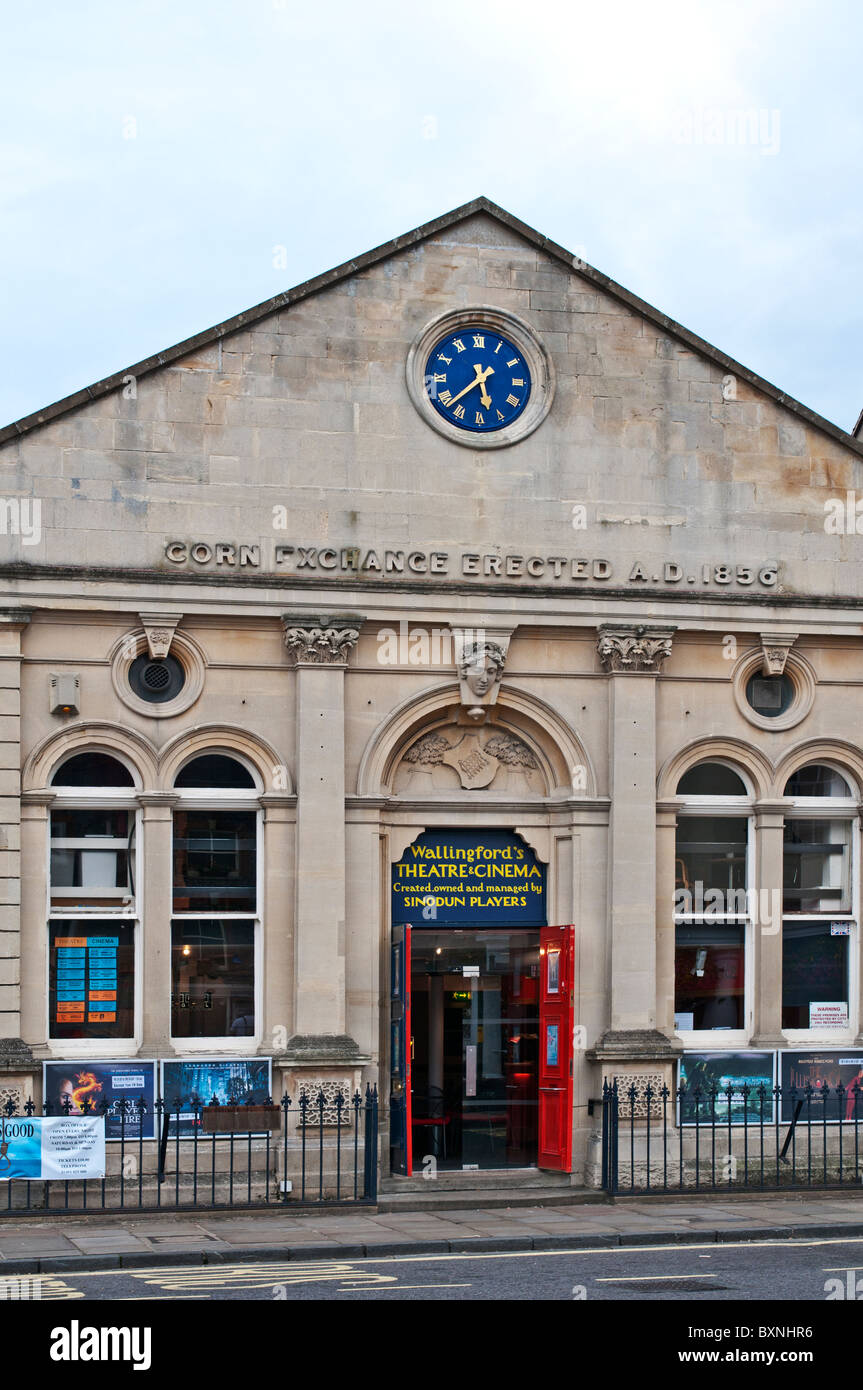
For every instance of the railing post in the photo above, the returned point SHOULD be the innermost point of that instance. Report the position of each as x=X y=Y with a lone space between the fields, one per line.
x=370 y=1142
x=615 y=1119
x=605 y=1136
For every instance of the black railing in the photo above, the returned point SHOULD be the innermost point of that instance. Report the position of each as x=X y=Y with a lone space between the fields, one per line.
x=702 y=1139
x=321 y=1148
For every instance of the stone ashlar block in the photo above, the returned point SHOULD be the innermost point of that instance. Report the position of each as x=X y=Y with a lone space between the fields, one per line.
x=10 y=890
x=178 y=467
x=691 y=368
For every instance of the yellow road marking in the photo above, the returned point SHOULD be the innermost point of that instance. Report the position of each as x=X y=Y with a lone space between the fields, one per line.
x=261 y=1275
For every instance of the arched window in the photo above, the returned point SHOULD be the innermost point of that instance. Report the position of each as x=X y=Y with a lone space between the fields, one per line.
x=215 y=900
x=92 y=902
x=92 y=770
x=711 y=901
x=215 y=770
x=711 y=779
x=817 y=875
x=817 y=779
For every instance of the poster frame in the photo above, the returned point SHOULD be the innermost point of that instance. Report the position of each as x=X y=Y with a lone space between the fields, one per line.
x=737 y=1121
x=187 y=1128
x=54 y=1064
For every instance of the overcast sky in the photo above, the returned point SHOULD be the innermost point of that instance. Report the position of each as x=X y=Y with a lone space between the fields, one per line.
x=156 y=155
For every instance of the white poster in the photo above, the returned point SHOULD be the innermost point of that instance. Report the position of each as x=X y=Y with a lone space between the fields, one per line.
x=828 y=1015
x=65 y=1147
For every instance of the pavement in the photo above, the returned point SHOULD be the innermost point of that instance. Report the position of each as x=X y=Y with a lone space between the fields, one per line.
x=32 y=1245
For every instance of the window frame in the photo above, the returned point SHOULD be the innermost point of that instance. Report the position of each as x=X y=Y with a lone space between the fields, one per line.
x=846 y=808
x=727 y=807
x=223 y=799
x=109 y=799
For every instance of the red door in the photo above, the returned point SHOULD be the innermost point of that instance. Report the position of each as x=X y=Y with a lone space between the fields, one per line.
x=556 y=1003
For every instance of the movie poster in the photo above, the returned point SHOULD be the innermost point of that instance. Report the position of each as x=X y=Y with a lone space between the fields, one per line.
x=706 y=1072
x=88 y=1085
x=824 y=1073
x=207 y=1080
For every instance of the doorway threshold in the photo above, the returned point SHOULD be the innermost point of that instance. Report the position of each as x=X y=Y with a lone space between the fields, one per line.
x=528 y=1187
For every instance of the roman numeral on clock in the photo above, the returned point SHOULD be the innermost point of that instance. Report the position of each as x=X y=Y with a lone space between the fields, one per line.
x=459 y=412
x=512 y=400
x=480 y=418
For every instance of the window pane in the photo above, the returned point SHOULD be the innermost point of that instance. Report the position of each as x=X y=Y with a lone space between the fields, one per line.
x=711 y=850
x=212 y=979
x=815 y=867
x=711 y=779
x=91 y=979
x=214 y=861
x=214 y=770
x=814 y=971
x=708 y=974
x=816 y=780
x=92 y=770
x=770 y=696
x=89 y=853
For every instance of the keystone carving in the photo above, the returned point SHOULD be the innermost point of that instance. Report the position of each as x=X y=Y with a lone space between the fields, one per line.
x=634 y=648
x=159 y=629
x=480 y=656
x=775 y=647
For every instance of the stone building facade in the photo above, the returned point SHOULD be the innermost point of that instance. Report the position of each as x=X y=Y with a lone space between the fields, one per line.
x=312 y=618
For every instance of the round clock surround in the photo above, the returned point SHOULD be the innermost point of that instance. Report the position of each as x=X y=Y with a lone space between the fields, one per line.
x=481 y=377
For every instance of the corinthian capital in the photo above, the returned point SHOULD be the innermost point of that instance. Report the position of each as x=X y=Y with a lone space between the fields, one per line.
x=636 y=649
x=327 y=642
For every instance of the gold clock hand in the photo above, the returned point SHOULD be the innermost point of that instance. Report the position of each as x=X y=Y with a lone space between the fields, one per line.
x=479 y=380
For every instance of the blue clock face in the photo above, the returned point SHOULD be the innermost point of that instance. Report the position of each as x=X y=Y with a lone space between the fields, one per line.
x=477 y=380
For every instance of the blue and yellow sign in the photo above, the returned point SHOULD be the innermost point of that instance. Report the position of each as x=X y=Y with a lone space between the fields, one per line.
x=469 y=878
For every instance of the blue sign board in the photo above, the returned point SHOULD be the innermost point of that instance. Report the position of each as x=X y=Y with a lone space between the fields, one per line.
x=470 y=878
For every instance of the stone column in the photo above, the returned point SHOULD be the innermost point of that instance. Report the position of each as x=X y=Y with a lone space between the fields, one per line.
x=633 y=657
x=320 y=653
x=157 y=889
x=35 y=829
x=277 y=914
x=666 y=840
x=16 y=1060
x=767 y=929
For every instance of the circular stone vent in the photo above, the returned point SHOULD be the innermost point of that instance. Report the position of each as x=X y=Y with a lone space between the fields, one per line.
x=156 y=681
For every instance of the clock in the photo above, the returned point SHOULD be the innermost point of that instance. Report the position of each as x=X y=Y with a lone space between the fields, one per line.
x=480 y=376
x=477 y=380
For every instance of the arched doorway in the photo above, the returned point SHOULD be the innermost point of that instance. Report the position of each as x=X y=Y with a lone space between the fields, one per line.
x=481 y=1006
x=524 y=775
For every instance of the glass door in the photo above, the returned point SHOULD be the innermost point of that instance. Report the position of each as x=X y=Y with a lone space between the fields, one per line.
x=475 y=1027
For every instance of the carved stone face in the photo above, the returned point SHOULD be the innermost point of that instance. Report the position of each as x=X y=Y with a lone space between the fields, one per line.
x=481 y=672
